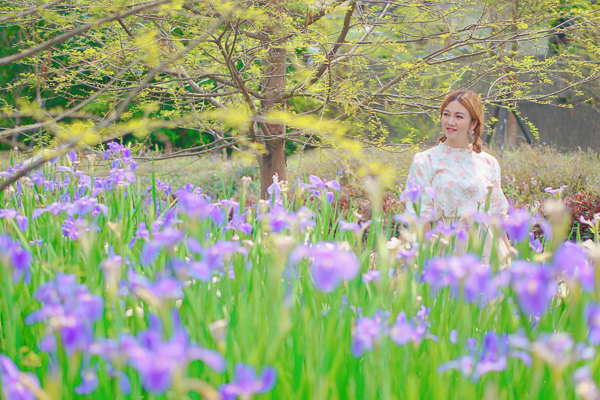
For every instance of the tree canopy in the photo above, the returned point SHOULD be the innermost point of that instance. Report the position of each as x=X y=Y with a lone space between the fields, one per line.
x=254 y=75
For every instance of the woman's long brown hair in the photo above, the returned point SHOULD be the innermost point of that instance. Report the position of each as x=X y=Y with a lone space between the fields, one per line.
x=471 y=101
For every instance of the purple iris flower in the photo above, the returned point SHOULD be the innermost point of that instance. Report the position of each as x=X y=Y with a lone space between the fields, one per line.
x=318 y=186
x=446 y=230
x=491 y=356
x=121 y=177
x=570 y=261
x=535 y=244
x=85 y=205
x=89 y=382
x=238 y=222
x=194 y=205
x=72 y=156
x=404 y=331
x=559 y=350
x=412 y=192
x=353 y=226
x=163 y=288
x=55 y=208
x=372 y=275
x=466 y=273
x=453 y=336
x=50 y=186
x=368 y=332
x=215 y=258
x=592 y=316
x=116 y=352
x=245 y=383
x=121 y=154
x=555 y=191
x=533 y=287
x=126 y=152
x=16 y=384
x=141 y=233
x=37 y=177
x=157 y=361
x=161 y=187
x=274 y=190
x=518 y=224
x=168 y=237
x=18 y=257
x=217 y=214
x=69 y=309
x=22 y=222
x=349 y=226
x=70 y=230
x=476 y=285
x=279 y=219
x=330 y=264
x=10 y=214
x=150 y=252
x=407 y=254
x=230 y=206
x=194 y=245
x=316 y=182
x=187 y=188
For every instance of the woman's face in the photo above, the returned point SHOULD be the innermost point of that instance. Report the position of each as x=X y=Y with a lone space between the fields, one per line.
x=456 y=121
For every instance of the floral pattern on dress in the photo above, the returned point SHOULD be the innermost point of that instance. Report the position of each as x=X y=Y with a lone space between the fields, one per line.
x=461 y=178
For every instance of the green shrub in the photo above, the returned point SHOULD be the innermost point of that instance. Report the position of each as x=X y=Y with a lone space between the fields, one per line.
x=528 y=170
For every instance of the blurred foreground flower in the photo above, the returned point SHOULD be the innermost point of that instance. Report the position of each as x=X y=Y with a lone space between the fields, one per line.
x=16 y=256
x=368 y=332
x=10 y=214
x=404 y=331
x=245 y=382
x=70 y=310
x=330 y=264
x=585 y=386
x=518 y=224
x=160 y=362
x=592 y=315
x=559 y=351
x=533 y=287
x=155 y=293
x=468 y=277
x=17 y=385
x=491 y=356
x=570 y=262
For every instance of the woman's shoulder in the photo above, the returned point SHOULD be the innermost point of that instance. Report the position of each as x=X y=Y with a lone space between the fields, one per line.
x=426 y=154
x=488 y=158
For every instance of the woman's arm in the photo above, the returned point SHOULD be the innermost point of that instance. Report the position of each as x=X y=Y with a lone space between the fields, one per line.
x=506 y=241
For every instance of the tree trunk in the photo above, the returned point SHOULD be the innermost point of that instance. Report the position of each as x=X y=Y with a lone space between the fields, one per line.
x=273 y=161
x=512 y=132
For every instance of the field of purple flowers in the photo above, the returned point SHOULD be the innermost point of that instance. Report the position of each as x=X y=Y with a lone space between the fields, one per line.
x=110 y=289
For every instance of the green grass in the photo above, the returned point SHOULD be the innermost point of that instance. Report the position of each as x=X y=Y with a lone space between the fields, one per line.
x=304 y=333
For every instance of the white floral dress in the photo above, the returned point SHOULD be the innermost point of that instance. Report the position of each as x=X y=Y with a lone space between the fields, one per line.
x=461 y=178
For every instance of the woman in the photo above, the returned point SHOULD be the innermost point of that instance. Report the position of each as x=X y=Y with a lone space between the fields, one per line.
x=460 y=172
